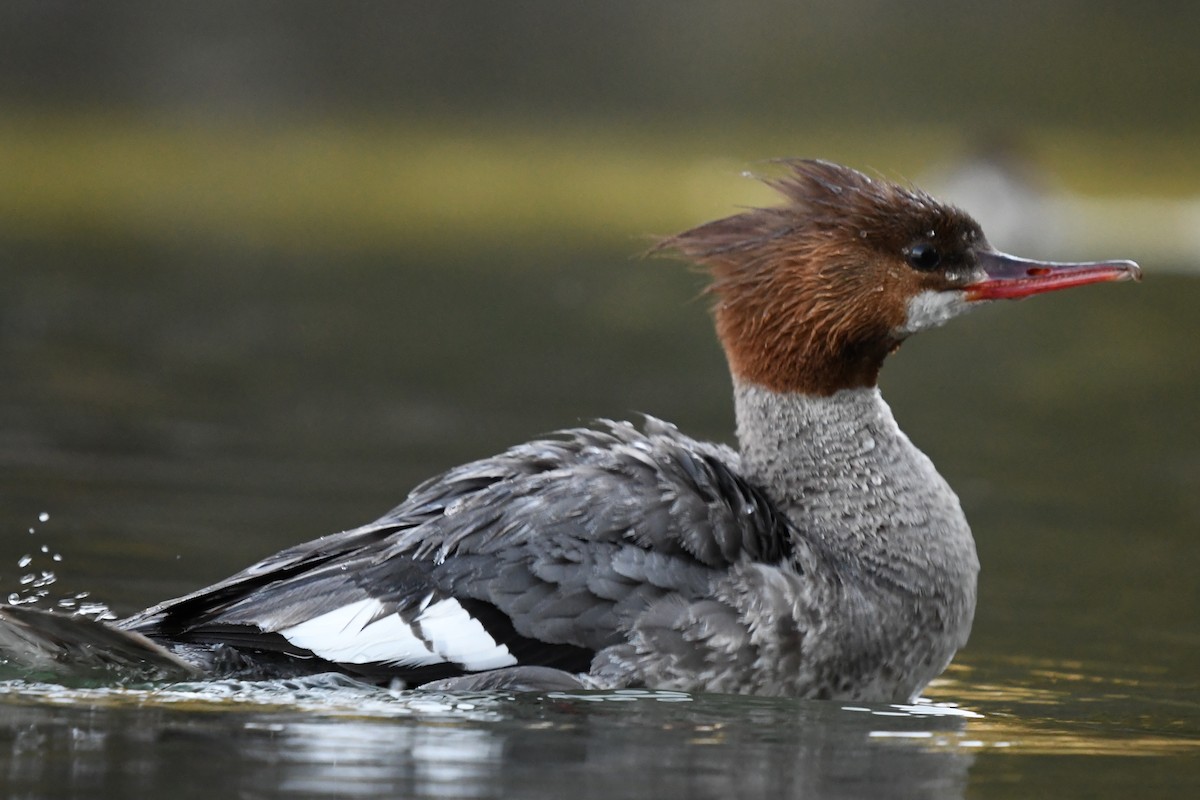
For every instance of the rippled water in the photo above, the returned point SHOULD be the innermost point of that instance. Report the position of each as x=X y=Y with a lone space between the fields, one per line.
x=344 y=741
x=177 y=413
x=328 y=736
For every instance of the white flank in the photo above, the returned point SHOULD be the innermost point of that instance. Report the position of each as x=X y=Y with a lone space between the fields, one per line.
x=929 y=309
x=348 y=635
x=457 y=636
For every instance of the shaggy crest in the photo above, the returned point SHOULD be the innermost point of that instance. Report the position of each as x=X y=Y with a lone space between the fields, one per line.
x=811 y=293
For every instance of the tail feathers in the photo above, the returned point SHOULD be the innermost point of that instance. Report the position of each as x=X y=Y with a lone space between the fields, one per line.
x=33 y=641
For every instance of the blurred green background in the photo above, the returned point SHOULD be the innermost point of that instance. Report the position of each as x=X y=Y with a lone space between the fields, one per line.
x=374 y=125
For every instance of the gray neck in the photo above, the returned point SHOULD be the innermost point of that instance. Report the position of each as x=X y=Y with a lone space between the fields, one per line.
x=882 y=542
x=843 y=470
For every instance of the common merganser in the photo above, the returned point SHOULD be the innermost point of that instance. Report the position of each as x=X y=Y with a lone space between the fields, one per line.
x=825 y=558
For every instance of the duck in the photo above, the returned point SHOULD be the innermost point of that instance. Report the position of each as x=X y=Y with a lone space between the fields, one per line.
x=824 y=557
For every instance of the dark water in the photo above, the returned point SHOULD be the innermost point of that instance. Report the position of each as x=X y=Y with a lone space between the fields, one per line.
x=178 y=412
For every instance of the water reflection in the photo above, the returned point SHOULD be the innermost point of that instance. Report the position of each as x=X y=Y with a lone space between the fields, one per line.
x=108 y=743
x=359 y=758
x=332 y=736
x=1042 y=707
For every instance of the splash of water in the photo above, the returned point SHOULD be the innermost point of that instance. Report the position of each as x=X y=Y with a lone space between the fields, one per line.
x=37 y=578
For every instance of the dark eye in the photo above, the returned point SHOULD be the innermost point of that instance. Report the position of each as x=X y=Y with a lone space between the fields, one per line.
x=923 y=256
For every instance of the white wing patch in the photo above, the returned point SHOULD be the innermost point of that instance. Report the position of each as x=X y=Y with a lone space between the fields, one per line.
x=356 y=634
x=459 y=637
x=363 y=633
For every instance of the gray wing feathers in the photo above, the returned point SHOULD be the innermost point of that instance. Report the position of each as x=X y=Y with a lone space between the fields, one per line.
x=582 y=540
x=659 y=489
x=615 y=520
x=752 y=632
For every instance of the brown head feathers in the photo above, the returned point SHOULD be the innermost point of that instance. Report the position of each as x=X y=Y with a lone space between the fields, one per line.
x=812 y=295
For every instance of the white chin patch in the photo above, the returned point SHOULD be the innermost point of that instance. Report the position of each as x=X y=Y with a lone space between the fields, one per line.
x=363 y=633
x=929 y=309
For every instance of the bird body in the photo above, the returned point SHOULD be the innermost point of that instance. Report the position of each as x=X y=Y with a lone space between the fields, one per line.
x=825 y=557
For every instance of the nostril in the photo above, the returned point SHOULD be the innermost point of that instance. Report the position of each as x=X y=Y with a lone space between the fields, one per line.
x=1037 y=272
